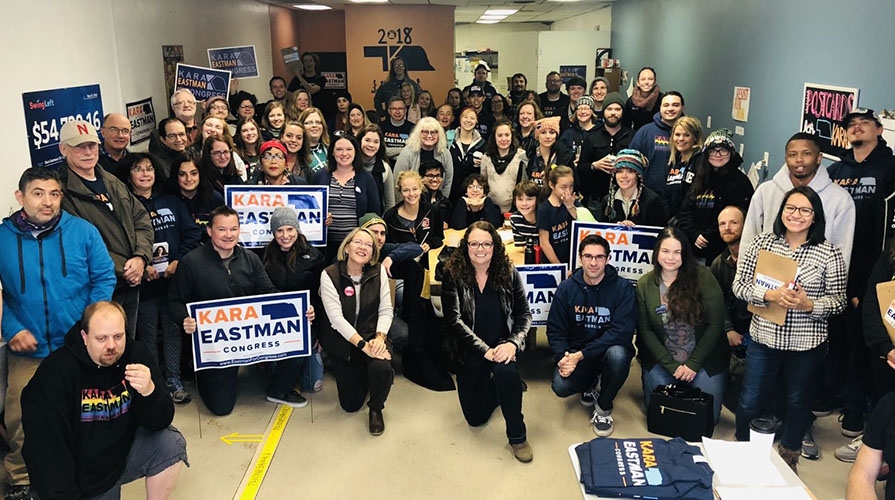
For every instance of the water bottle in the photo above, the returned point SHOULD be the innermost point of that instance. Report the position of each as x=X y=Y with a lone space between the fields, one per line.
x=529 y=252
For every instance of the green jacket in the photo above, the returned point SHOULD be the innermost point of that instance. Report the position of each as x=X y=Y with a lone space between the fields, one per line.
x=711 y=352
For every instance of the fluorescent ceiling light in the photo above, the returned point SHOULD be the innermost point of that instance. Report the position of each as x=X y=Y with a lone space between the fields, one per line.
x=501 y=12
x=564 y=1
x=369 y=1
x=492 y=18
x=311 y=6
x=480 y=21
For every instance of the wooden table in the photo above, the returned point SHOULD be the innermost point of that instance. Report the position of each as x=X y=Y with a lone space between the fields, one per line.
x=452 y=238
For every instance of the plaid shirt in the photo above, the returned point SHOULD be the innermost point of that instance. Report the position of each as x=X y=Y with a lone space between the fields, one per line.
x=821 y=273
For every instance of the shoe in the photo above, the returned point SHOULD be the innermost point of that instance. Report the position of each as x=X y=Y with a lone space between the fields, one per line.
x=18 y=492
x=589 y=398
x=826 y=405
x=849 y=452
x=377 y=425
x=178 y=393
x=851 y=423
x=602 y=421
x=522 y=452
x=809 y=447
x=291 y=398
x=790 y=457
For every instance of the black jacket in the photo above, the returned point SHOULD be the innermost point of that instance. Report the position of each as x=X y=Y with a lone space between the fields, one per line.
x=462 y=218
x=873 y=229
x=595 y=183
x=875 y=334
x=463 y=163
x=651 y=211
x=427 y=227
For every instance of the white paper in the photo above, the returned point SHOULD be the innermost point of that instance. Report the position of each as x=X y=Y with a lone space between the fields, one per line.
x=742 y=463
x=786 y=493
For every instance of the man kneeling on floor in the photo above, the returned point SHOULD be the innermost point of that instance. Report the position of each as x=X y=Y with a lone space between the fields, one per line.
x=590 y=328
x=97 y=415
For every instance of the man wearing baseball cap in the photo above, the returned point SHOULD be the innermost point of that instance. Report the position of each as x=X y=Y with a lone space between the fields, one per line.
x=480 y=79
x=99 y=197
x=576 y=86
x=477 y=101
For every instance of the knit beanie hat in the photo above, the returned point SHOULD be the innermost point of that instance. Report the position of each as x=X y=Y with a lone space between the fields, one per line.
x=586 y=101
x=551 y=123
x=613 y=98
x=633 y=159
x=576 y=81
x=370 y=219
x=284 y=216
x=720 y=138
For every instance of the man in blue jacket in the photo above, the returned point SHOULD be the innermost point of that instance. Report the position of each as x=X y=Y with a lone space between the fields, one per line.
x=590 y=328
x=654 y=140
x=54 y=265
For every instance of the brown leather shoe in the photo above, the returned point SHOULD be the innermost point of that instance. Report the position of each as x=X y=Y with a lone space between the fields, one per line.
x=790 y=457
x=377 y=425
x=522 y=452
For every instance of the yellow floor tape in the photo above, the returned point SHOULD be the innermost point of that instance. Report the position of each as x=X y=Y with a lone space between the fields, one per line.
x=251 y=482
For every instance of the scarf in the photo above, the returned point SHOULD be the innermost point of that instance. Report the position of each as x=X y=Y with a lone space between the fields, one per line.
x=502 y=162
x=645 y=101
x=20 y=219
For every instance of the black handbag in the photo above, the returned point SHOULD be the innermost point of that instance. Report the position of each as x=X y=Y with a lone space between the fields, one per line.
x=681 y=411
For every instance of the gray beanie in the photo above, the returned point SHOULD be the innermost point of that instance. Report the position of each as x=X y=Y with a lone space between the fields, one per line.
x=283 y=216
x=613 y=98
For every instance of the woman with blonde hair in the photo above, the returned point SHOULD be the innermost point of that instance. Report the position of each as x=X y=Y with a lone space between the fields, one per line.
x=686 y=150
x=427 y=141
x=316 y=139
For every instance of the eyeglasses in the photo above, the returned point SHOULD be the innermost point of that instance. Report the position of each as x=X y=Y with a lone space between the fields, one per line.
x=313 y=122
x=184 y=103
x=476 y=245
x=178 y=135
x=222 y=107
x=247 y=106
x=428 y=132
x=143 y=170
x=272 y=156
x=719 y=152
x=475 y=187
x=118 y=131
x=359 y=243
x=219 y=154
x=433 y=177
x=803 y=211
x=586 y=257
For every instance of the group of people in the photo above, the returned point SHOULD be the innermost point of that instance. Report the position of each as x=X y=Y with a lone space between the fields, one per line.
x=148 y=233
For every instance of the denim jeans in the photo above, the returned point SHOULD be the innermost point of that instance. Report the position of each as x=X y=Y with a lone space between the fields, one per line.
x=802 y=372
x=712 y=384
x=611 y=370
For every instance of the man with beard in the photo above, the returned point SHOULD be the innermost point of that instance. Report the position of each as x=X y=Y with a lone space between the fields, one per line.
x=654 y=140
x=518 y=89
x=597 y=160
x=553 y=101
x=724 y=267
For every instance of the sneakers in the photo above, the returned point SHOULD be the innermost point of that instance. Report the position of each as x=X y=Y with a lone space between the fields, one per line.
x=809 y=447
x=851 y=423
x=522 y=452
x=18 y=492
x=178 y=393
x=849 y=452
x=589 y=398
x=291 y=398
x=602 y=421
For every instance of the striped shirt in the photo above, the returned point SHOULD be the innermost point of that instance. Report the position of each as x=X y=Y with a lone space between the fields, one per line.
x=522 y=229
x=821 y=273
x=343 y=206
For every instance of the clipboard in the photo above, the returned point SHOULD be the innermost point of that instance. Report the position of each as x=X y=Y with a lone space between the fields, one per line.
x=773 y=271
x=885 y=292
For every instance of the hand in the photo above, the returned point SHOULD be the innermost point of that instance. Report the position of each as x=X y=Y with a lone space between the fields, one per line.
x=189 y=325
x=425 y=247
x=801 y=300
x=568 y=363
x=489 y=355
x=684 y=374
x=604 y=164
x=504 y=353
x=310 y=314
x=23 y=341
x=377 y=349
x=477 y=161
x=734 y=338
x=701 y=242
x=626 y=223
x=140 y=378
x=133 y=270
x=234 y=85
x=790 y=298
x=855 y=302
x=329 y=219
x=151 y=274
x=568 y=200
x=172 y=268
x=890 y=358
x=387 y=264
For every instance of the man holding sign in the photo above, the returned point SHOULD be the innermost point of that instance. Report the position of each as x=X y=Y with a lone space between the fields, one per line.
x=223 y=269
x=591 y=331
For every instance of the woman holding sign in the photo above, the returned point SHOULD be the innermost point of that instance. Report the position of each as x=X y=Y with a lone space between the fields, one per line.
x=358 y=305
x=485 y=308
x=798 y=345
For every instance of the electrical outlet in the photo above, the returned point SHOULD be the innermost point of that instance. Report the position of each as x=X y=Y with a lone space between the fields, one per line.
x=708 y=122
x=738 y=130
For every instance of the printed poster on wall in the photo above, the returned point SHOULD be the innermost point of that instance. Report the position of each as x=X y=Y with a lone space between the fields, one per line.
x=540 y=282
x=567 y=72
x=172 y=55
x=47 y=110
x=630 y=248
x=823 y=108
x=741 y=97
x=248 y=330
x=239 y=61
x=142 y=118
x=204 y=83
x=255 y=204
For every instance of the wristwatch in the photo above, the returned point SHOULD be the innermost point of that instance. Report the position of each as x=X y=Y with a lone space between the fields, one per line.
x=361 y=344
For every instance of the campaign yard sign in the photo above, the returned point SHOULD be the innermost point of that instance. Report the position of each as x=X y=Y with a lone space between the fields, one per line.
x=255 y=204
x=204 y=83
x=239 y=61
x=247 y=330
x=540 y=282
x=631 y=248
x=142 y=117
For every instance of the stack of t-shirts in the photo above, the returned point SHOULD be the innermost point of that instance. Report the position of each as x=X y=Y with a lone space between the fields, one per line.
x=644 y=468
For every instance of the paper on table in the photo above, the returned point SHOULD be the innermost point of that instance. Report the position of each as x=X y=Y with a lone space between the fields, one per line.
x=786 y=493
x=742 y=463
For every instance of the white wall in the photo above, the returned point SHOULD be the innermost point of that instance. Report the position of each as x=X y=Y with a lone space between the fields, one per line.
x=515 y=43
x=558 y=48
x=117 y=44
x=599 y=20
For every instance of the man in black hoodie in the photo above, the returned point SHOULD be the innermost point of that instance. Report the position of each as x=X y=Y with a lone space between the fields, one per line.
x=590 y=328
x=93 y=418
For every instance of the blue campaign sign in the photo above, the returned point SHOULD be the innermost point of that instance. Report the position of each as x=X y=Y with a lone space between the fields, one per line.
x=204 y=83
x=540 y=282
x=47 y=110
x=631 y=248
x=239 y=61
x=255 y=204
x=248 y=330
